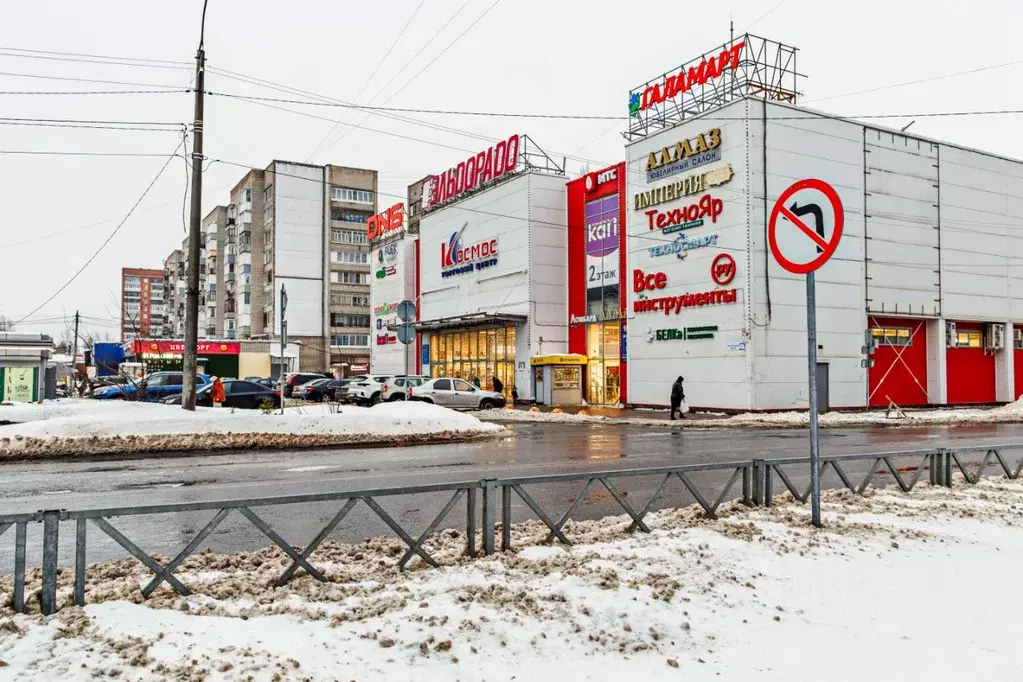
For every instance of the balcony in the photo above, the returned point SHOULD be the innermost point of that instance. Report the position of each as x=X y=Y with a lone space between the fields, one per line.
x=230 y=258
x=244 y=332
x=229 y=277
x=244 y=248
x=246 y=288
x=212 y=287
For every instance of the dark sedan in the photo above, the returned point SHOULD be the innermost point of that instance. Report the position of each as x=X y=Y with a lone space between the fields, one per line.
x=323 y=391
x=244 y=395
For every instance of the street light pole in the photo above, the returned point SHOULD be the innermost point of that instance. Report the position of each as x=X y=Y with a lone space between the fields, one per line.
x=190 y=359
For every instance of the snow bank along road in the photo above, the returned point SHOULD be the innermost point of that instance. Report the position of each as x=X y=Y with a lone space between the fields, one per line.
x=91 y=427
x=525 y=450
x=756 y=594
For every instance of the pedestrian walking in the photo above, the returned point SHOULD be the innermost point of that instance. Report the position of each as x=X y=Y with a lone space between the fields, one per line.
x=498 y=386
x=476 y=382
x=678 y=396
x=217 y=392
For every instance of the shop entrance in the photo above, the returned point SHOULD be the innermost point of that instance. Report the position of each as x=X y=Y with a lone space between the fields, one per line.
x=603 y=385
x=476 y=354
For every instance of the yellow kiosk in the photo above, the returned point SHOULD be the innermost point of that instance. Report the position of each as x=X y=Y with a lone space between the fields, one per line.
x=558 y=379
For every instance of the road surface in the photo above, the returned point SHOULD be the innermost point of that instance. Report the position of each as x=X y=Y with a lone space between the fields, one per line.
x=528 y=449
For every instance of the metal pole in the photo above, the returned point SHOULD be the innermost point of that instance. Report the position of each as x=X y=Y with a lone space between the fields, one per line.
x=74 y=359
x=811 y=347
x=284 y=304
x=51 y=532
x=189 y=358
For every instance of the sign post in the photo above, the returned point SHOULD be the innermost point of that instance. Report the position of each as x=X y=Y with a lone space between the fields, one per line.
x=801 y=249
x=406 y=335
x=284 y=338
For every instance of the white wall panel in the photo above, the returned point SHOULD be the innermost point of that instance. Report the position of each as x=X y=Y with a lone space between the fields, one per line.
x=901 y=204
x=298 y=247
x=387 y=292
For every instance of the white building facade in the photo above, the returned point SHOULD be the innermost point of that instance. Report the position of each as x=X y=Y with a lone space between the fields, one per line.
x=928 y=266
x=493 y=272
x=394 y=280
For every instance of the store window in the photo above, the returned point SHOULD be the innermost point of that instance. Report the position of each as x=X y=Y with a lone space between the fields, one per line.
x=481 y=354
x=603 y=385
x=968 y=340
x=892 y=336
x=1017 y=338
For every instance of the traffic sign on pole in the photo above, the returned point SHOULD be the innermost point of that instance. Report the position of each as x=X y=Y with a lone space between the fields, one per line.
x=406 y=311
x=803 y=233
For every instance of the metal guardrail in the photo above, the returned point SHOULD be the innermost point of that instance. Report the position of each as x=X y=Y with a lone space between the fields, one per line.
x=757 y=476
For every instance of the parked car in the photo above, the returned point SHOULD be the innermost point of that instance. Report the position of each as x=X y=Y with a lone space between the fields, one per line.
x=298 y=378
x=397 y=387
x=301 y=391
x=366 y=391
x=322 y=392
x=244 y=395
x=457 y=394
x=341 y=393
x=263 y=381
x=153 y=387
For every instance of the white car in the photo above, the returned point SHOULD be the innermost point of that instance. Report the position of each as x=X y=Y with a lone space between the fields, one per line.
x=366 y=391
x=397 y=387
x=457 y=394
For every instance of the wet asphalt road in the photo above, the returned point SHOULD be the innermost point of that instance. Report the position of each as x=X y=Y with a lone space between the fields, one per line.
x=527 y=450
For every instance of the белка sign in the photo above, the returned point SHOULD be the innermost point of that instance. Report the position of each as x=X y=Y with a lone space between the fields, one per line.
x=456 y=259
x=707 y=69
x=476 y=171
x=386 y=222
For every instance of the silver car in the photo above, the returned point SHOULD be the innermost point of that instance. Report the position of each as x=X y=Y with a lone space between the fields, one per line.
x=457 y=394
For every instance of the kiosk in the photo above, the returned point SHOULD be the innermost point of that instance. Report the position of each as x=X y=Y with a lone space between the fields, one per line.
x=558 y=379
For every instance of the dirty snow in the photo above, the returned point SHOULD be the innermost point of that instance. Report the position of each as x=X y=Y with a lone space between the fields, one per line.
x=1006 y=414
x=756 y=594
x=91 y=426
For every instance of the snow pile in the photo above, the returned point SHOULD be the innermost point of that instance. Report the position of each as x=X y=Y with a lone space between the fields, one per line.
x=756 y=594
x=92 y=427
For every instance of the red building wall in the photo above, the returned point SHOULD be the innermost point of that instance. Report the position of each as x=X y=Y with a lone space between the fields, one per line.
x=577 y=197
x=1017 y=368
x=970 y=371
x=899 y=372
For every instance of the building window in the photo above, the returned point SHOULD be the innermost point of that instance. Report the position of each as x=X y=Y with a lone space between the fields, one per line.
x=247 y=194
x=968 y=340
x=483 y=353
x=1017 y=338
x=350 y=340
x=268 y=238
x=342 y=320
x=355 y=237
x=892 y=336
x=268 y=214
x=268 y=193
x=353 y=257
x=355 y=196
x=246 y=298
x=348 y=215
x=266 y=320
x=268 y=278
x=336 y=236
x=348 y=277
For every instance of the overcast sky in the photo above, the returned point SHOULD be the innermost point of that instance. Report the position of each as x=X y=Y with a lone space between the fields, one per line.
x=565 y=57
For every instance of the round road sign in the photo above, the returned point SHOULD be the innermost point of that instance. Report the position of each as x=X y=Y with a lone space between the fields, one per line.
x=722 y=269
x=805 y=226
x=406 y=311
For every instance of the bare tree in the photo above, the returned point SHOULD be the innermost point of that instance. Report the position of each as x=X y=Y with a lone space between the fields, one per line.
x=6 y=324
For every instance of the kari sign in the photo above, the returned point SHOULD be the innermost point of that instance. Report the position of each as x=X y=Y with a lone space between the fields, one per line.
x=602 y=230
x=383 y=224
x=474 y=172
x=457 y=259
x=699 y=73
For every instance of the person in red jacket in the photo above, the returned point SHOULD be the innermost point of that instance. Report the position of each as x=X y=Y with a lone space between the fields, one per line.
x=218 y=392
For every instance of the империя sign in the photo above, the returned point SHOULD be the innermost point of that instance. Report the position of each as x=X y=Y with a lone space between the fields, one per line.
x=689 y=185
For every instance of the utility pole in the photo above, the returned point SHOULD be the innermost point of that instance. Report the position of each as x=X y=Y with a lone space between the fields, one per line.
x=284 y=339
x=190 y=359
x=74 y=356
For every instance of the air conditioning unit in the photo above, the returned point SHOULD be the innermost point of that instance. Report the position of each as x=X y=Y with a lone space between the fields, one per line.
x=994 y=337
x=951 y=339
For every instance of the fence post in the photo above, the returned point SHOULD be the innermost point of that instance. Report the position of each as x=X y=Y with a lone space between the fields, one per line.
x=80 y=530
x=470 y=522
x=946 y=468
x=759 y=482
x=489 y=514
x=506 y=505
x=768 y=485
x=51 y=541
x=747 y=482
x=20 y=533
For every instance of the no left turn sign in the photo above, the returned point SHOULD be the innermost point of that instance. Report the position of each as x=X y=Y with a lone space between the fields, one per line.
x=805 y=226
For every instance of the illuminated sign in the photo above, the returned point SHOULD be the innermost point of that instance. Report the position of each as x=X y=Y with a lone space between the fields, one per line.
x=642 y=281
x=385 y=309
x=595 y=180
x=683 y=245
x=178 y=347
x=722 y=269
x=707 y=70
x=685 y=155
x=689 y=185
x=583 y=319
x=686 y=334
x=474 y=172
x=386 y=339
x=381 y=224
x=456 y=259
x=386 y=272
x=685 y=217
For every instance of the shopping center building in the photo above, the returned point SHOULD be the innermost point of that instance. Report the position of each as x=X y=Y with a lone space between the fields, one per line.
x=492 y=266
x=928 y=266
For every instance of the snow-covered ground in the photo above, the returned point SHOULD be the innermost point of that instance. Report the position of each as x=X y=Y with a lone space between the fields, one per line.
x=1005 y=414
x=94 y=426
x=921 y=586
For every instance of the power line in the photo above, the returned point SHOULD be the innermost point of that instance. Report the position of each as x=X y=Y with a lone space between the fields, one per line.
x=88 y=127
x=762 y=16
x=117 y=229
x=91 y=80
x=78 y=60
x=94 y=121
x=36 y=152
x=97 y=56
x=93 y=92
x=373 y=73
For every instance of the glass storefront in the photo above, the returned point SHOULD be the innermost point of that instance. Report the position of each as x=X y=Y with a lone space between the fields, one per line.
x=480 y=353
x=603 y=385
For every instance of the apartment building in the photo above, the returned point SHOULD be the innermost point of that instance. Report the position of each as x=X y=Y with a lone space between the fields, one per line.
x=300 y=226
x=415 y=204
x=142 y=303
x=174 y=294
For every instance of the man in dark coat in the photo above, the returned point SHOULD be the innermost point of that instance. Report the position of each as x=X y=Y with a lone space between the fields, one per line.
x=678 y=395
x=498 y=386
